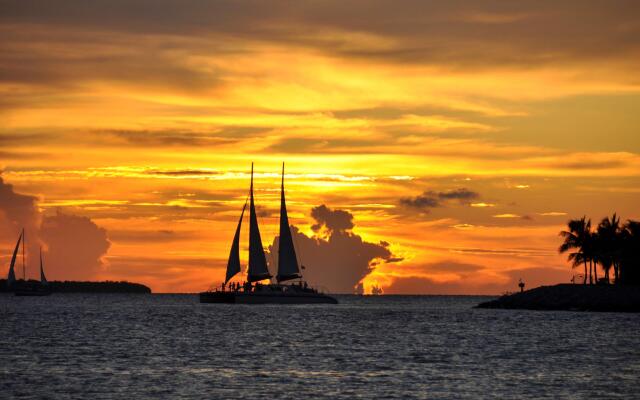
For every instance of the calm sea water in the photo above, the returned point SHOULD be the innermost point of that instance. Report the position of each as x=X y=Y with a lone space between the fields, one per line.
x=170 y=346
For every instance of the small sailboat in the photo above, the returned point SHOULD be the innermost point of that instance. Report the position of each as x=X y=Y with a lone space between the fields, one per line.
x=25 y=287
x=253 y=292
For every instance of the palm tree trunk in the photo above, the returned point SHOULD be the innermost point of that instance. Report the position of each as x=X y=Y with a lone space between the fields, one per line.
x=615 y=272
x=584 y=282
x=590 y=274
x=595 y=270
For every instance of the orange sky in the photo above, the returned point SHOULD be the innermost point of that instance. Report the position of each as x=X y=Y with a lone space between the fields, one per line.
x=459 y=137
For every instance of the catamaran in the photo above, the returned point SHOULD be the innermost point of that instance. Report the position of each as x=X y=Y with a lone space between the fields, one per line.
x=25 y=287
x=253 y=292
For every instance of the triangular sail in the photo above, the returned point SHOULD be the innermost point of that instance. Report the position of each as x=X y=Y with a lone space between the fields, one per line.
x=257 y=260
x=287 y=261
x=11 y=278
x=43 y=279
x=233 y=265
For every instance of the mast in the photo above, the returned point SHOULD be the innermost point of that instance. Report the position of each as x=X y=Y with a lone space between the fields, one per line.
x=11 y=278
x=257 y=260
x=24 y=270
x=287 y=260
x=43 y=279
x=233 y=265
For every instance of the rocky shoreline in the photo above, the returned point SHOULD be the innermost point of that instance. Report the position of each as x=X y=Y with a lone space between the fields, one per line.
x=572 y=297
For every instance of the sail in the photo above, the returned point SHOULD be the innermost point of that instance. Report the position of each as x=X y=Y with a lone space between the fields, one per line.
x=257 y=260
x=43 y=279
x=287 y=261
x=11 y=278
x=233 y=265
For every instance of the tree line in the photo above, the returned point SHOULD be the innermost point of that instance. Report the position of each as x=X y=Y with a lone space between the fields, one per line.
x=612 y=245
x=86 y=287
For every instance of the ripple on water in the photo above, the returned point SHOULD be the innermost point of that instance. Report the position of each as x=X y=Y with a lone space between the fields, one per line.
x=170 y=346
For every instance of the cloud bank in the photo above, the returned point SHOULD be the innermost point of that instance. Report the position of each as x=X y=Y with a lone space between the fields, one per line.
x=336 y=258
x=73 y=246
x=431 y=199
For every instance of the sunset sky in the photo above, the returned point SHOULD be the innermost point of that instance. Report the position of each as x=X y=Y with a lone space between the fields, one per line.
x=449 y=141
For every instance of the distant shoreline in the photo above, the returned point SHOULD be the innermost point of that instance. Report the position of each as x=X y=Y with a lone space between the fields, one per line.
x=572 y=297
x=89 y=287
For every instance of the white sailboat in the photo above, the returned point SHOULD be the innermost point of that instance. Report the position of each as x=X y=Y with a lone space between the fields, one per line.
x=253 y=292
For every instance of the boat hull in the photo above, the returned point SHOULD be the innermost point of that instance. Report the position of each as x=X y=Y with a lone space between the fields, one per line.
x=266 y=298
x=31 y=288
x=29 y=292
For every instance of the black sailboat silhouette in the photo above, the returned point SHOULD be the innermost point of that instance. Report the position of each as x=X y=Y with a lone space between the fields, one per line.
x=43 y=279
x=258 y=270
x=233 y=265
x=287 y=261
x=11 y=277
x=26 y=287
x=288 y=268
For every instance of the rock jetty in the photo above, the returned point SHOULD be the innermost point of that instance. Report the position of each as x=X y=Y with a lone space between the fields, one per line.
x=572 y=297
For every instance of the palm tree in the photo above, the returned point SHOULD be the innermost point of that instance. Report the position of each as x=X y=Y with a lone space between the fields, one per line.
x=609 y=234
x=590 y=254
x=630 y=257
x=601 y=256
x=578 y=237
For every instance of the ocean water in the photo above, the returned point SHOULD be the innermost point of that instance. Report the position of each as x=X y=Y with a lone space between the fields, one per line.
x=388 y=347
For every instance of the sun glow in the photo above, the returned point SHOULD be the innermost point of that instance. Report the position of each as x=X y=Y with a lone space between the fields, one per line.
x=150 y=133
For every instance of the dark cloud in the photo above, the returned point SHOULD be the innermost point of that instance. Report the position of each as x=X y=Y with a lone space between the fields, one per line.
x=64 y=58
x=13 y=139
x=461 y=194
x=431 y=199
x=155 y=138
x=163 y=138
x=323 y=145
x=218 y=136
x=75 y=246
x=389 y=114
x=17 y=211
x=589 y=163
x=331 y=220
x=455 y=33
x=341 y=259
x=163 y=44
x=23 y=155
x=425 y=200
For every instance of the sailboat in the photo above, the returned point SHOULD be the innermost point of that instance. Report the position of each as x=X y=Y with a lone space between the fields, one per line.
x=253 y=292
x=25 y=287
